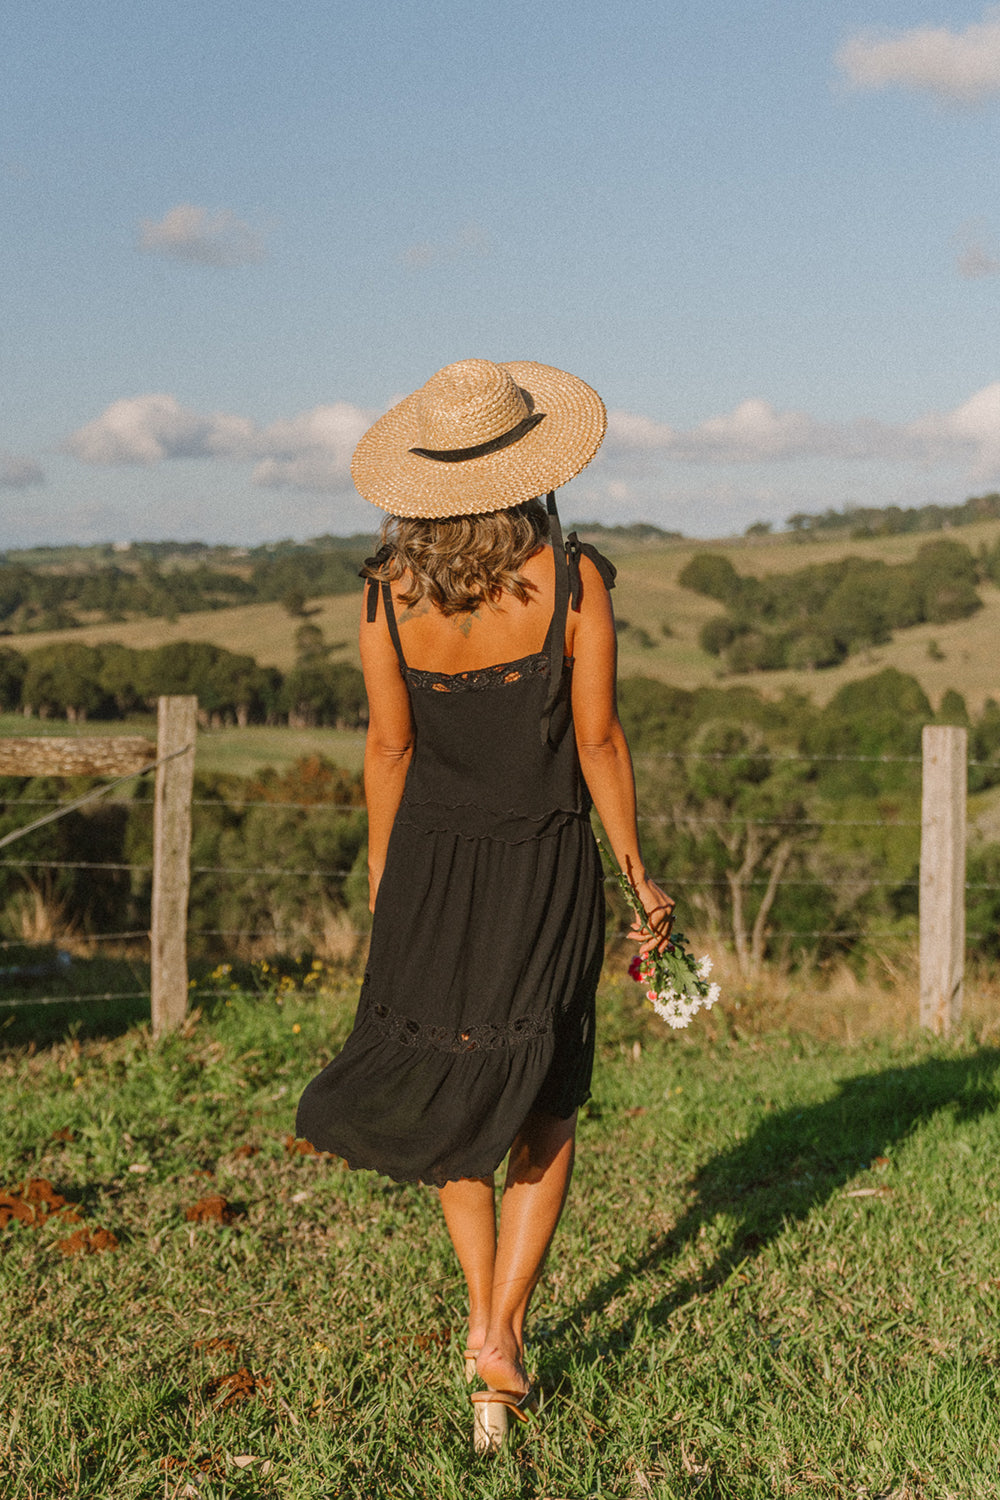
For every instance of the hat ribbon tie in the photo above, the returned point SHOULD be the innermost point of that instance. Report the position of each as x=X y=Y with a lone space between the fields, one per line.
x=459 y=455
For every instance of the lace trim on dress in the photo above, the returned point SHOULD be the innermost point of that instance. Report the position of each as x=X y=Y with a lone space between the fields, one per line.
x=486 y=1036
x=499 y=675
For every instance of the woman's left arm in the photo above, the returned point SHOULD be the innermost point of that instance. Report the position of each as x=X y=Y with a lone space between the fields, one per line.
x=389 y=743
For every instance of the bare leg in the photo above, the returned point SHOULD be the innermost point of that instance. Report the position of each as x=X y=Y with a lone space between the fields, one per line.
x=470 y=1215
x=538 y=1177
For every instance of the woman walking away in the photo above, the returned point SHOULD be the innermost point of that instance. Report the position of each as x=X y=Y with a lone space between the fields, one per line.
x=488 y=649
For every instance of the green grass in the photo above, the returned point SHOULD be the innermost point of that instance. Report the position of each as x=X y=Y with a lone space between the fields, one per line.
x=243 y=752
x=722 y=1314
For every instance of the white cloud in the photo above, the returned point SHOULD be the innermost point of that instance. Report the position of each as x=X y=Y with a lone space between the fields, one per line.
x=755 y=432
x=309 y=451
x=188 y=232
x=146 y=429
x=976 y=261
x=630 y=431
x=959 y=66
x=312 y=451
x=972 y=428
x=470 y=241
x=978 y=255
x=18 y=473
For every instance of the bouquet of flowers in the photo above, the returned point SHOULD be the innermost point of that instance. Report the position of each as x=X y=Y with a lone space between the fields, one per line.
x=678 y=986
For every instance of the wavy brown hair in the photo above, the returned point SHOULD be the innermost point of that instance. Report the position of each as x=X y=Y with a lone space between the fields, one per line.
x=464 y=561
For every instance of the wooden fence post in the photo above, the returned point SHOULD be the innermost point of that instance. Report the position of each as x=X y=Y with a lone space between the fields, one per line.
x=177 y=724
x=942 y=876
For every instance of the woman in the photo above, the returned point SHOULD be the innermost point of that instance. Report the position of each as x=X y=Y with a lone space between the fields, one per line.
x=489 y=660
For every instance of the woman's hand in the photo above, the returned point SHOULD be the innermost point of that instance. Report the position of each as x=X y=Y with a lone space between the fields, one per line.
x=659 y=909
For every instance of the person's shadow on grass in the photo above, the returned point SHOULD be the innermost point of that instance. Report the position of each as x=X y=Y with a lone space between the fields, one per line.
x=792 y=1162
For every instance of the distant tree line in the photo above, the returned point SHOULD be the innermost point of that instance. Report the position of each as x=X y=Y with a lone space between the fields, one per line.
x=59 y=595
x=816 y=616
x=641 y=532
x=111 y=681
x=891 y=520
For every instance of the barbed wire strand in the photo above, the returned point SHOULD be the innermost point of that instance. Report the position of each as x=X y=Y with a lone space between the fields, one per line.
x=203 y=994
x=84 y=937
x=74 y=999
x=316 y=873
x=678 y=820
x=67 y=864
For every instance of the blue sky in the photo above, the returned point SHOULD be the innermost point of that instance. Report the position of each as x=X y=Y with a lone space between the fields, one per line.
x=768 y=234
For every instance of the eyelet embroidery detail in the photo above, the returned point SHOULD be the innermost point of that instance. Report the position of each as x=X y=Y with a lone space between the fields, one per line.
x=484 y=1037
x=483 y=678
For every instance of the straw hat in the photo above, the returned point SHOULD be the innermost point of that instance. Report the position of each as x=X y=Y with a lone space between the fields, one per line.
x=479 y=437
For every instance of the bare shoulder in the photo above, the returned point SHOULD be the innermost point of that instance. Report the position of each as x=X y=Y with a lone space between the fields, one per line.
x=593 y=590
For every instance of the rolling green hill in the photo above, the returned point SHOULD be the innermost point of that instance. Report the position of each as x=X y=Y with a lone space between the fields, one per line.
x=960 y=655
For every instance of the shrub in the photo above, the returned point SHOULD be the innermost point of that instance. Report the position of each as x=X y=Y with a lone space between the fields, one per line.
x=712 y=574
x=718 y=633
x=756 y=651
x=12 y=669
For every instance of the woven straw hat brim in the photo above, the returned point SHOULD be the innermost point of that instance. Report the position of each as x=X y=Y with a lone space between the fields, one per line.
x=408 y=484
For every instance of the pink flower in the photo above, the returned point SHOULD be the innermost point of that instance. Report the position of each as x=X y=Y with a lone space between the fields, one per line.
x=635 y=967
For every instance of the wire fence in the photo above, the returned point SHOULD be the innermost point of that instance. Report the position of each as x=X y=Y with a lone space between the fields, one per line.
x=237 y=937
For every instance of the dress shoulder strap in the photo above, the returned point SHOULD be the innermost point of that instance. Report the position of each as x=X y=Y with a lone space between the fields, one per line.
x=390 y=615
x=568 y=595
x=378 y=586
x=575 y=549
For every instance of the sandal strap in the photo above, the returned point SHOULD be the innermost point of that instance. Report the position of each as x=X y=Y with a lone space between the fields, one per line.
x=520 y=1405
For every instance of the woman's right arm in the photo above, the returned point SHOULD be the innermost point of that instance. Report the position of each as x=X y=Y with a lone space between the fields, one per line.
x=389 y=742
x=602 y=746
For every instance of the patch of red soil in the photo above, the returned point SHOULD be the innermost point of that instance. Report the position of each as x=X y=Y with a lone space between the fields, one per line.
x=34 y=1202
x=228 y=1346
x=214 y=1209
x=88 y=1242
x=300 y=1148
x=437 y=1338
x=246 y=1150
x=239 y=1385
x=65 y=1134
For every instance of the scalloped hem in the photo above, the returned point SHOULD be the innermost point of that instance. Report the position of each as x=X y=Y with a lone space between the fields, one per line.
x=441 y=1178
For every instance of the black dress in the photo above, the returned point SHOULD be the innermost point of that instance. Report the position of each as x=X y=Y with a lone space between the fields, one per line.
x=478 y=998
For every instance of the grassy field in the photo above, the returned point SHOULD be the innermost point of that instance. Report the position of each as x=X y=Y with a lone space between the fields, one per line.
x=777 y=1274
x=648 y=597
